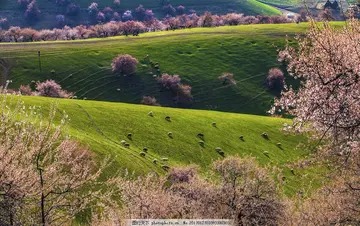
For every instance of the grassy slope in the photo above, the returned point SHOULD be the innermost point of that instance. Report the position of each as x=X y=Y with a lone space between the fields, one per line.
x=199 y=55
x=102 y=125
x=10 y=9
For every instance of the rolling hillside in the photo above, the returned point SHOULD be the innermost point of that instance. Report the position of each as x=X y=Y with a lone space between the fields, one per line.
x=104 y=126
x=198 y=55
x=49 y=9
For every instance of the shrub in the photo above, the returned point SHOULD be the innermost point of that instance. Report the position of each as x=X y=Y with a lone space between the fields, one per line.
x=180 y=10
x=72 y=9
x=100 y=17
x=60 y=20
x=169 y=81
x=25 y=90
x=117 y=3
x=148 y=100
x=23 y=3
x=50 y=88
x=184 y=94
x=124 y=64
x=149 y=15
x=169 y=10
x=227 y=78
x=127 y=15
x=181 y=174
x=244 y=193
x=4 y=23
x=32 y=11
x=108 y=13
x=139 y=13
x=275 y=79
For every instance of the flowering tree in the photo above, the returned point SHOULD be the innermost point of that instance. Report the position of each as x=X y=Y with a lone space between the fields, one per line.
x=45 y=178
x=275 y=79
x=244 y=193
x=124 y=64
x=327 y=103
x=50 y=88
x=32 y=11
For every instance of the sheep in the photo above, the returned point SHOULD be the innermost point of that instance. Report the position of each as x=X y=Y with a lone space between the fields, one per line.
x=165 y=167
x=202 y=143
x=265 y=135
x=220 y=151
x=170 y=134
x=200 y=135
x=167 y=118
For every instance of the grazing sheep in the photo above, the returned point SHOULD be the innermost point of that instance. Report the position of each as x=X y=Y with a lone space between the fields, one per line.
x=167 y=118
x=165 y=167
x=265 y=135
x=170 y=134
x=155 y=161
x=292 y=171
x=129 y=136
x=220 y=151
x=151 y=114
x=127 y=145
x=142 y=154
x=202 y=143
x=165 y=159
x=213 y=124
x=145 y=149
x=200 y=135
x=241 y=137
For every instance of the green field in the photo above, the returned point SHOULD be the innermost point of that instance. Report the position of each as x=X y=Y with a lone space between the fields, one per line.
x=102 y=126
x=198 y=55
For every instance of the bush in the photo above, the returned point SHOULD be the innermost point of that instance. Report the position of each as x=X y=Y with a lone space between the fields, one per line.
x=148 y=100
x=72 y=9
x=32 y=11
x=227 y=78
x=275 y=79
x=4 y=23
x=25 y=90
x=50 y=88
x=60 y=20
x=169 y=81
x=124 y=64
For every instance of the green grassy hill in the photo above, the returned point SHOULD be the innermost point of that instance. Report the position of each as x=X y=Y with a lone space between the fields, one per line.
x=103 y=125
x=198 y=55
x=10 y=9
